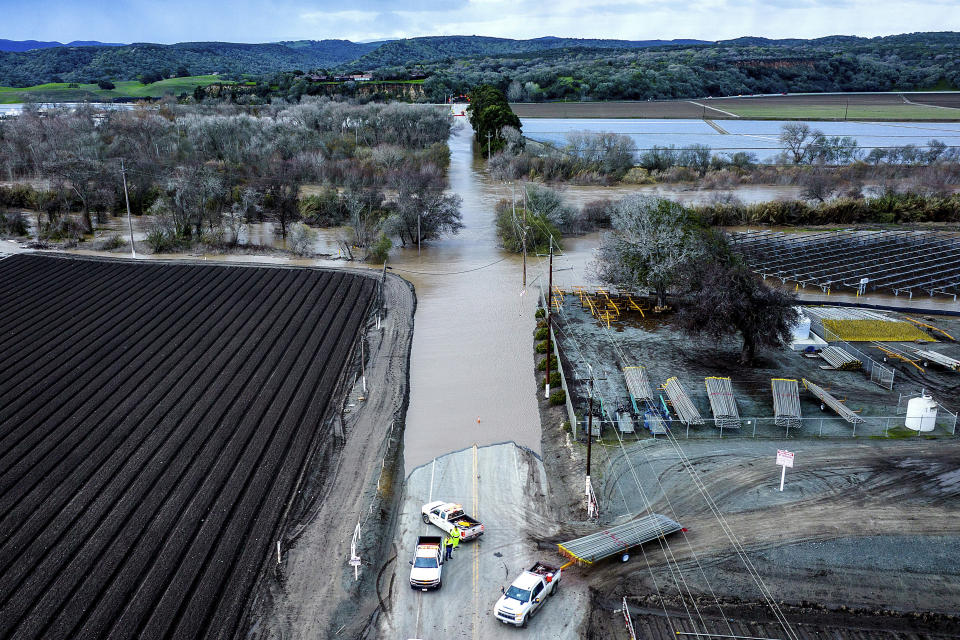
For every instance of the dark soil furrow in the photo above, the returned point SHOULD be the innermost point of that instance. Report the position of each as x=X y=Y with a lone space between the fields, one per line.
x=102 y=317
x=134 y=505
x=99 y=356
x=170 y=410
x=233 y=474
x=163 y=512
x=74 y=405
x=105 y=464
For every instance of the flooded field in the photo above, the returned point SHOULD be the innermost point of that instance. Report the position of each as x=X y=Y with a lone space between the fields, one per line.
x=730 y=136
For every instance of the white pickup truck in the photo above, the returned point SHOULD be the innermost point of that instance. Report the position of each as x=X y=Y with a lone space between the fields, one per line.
x=526 y=595
x=427 y=563
x=448 y=515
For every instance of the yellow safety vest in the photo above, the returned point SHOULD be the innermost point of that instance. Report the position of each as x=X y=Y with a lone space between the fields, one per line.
x=455 y=534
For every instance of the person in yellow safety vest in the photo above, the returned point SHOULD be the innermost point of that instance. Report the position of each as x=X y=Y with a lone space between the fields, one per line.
x=448 y=543
x=455 y=534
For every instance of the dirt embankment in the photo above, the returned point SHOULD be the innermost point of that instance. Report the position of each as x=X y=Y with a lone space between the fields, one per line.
x=354 y=477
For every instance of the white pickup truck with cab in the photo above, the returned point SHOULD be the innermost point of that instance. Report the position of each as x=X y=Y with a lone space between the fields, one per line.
x=527 y=594
x=427 y=563
x=448 y=515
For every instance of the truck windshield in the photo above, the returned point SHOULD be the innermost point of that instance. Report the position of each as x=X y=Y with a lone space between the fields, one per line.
x=518 y=594
x=425 y=563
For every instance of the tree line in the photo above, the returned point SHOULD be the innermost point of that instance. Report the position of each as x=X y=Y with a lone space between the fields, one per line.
x=204 y=172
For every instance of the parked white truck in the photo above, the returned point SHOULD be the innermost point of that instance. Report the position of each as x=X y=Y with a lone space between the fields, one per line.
x=427 y=563
x=527 y=594
x=448 y=515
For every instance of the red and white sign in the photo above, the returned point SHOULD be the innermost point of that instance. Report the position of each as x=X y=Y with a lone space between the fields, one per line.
x=785 y=458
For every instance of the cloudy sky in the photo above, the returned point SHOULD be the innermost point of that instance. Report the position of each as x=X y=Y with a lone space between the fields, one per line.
x=169 y=21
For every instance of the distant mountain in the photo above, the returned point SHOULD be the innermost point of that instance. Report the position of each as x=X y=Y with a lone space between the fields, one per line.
x=30 y=45
x=425 y=49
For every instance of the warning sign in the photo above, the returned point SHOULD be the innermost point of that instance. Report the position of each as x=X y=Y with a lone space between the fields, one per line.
x=785 y=458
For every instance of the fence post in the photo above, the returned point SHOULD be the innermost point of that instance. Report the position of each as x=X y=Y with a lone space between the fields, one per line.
x=821 y=427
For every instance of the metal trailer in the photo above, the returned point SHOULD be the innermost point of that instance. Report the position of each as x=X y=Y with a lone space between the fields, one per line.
x=638 y=384
x=828 y=400
x=603 y=544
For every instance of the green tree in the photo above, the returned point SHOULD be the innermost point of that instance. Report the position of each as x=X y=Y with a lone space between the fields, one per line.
x=489 y=113
x=105 y=84
x=724 y=297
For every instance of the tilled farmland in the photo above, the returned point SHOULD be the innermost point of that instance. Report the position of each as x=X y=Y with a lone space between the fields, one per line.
x=154 y=421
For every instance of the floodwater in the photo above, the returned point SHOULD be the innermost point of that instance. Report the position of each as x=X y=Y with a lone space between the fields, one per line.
x=755 y=136
x=472 y=358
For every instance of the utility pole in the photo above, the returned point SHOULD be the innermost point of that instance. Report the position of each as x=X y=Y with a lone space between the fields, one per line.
x=123 y=172
x=546 y=392
x=845 y=108
x=489 y=135
x=589 y=426
x=418 y=234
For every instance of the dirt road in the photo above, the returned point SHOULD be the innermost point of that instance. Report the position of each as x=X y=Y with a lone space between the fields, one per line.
x=312 y=593
x=867 y=524
x=503 y=486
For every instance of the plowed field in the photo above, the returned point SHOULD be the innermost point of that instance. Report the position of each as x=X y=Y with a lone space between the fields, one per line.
x=154 y=419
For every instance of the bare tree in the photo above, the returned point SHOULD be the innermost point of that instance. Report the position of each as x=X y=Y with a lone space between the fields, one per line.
x=795 y=137
x=652 y=241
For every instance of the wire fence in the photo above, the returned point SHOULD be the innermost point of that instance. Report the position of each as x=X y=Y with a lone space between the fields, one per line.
x=824 y=426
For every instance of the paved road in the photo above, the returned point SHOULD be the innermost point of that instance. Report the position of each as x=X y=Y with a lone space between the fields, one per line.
x=503 y=485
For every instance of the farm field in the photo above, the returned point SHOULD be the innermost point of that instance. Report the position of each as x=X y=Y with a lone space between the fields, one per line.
x=852 y=106
x=154 y=421
x=62 y=92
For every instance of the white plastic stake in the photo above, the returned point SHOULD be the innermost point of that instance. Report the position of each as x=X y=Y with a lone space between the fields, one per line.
x=783 y=475
x=278 y=552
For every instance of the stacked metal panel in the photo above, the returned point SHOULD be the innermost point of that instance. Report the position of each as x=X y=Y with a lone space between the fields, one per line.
x=638 y=384
x=723 y=403
x=603 y=544
x=839 y=359
x=832 y=402
x=682 y=404
x=786 y=402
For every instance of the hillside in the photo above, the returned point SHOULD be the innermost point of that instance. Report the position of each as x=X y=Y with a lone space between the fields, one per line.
x=426 y=49
x=88 y=64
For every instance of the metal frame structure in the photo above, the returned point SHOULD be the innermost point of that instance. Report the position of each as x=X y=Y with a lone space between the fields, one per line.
x=682 y=404
x=638 y=384
x=861 y=261
x=786 y=402
x=722 y=402
x=603 y=544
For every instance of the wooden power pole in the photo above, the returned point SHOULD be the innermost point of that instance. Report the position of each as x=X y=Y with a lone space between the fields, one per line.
x=123 y=172
x=546 y=393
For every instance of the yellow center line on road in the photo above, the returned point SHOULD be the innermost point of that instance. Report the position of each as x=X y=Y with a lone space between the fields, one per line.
x=476 y=551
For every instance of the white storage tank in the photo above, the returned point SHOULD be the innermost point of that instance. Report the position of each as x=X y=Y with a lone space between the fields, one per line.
x=801 y=330
x=921 y=413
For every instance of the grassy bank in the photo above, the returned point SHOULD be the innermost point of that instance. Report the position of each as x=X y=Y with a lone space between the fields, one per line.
x=72 y=92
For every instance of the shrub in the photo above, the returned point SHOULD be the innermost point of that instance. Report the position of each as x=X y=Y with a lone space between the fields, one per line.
x=13 y=223
x=541 y=333
x=159 y=241
x=554 y=378
x=116 y=241
x=300 y=239
x=541 y=347
x=380 y=249
x=558 y=397
x=542 y=365
x=541 y=312
x=106 y=85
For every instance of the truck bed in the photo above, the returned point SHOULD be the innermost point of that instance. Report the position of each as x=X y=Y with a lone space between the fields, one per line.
x=465 y=522
x=542 y=569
